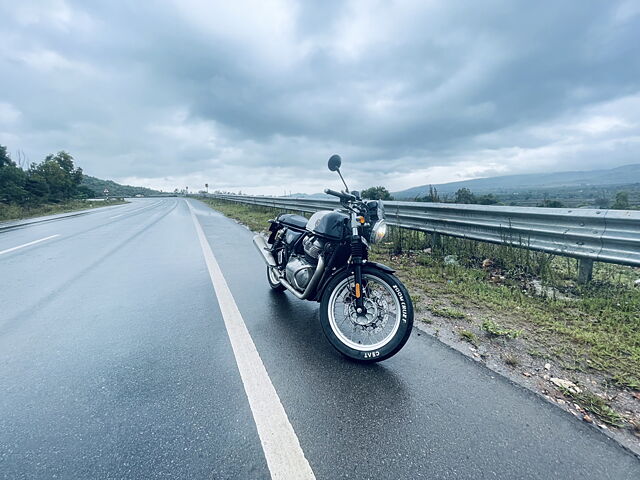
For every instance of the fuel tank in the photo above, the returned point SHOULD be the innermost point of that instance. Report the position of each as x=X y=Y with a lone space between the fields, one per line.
x=328 y=224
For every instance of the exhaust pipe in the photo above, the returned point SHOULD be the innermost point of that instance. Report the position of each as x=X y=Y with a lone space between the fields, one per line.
x=263 y=248
x=311 y=287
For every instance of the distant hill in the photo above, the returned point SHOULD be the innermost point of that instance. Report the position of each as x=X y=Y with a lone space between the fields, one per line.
x=309 y=195
x=115 y=189
x=625 y=175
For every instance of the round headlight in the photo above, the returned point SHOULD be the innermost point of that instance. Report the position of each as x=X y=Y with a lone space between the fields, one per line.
x=378 y=231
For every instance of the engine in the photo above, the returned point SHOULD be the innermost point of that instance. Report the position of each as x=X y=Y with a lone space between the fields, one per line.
x=313 y=247
x=300 y=268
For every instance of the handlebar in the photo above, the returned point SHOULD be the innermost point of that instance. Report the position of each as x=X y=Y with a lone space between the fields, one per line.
x=340 y=195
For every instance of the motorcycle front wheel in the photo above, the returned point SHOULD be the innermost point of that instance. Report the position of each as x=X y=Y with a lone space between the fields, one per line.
x=382 y=330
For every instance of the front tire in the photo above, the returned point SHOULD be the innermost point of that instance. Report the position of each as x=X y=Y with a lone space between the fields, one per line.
x=385 y=328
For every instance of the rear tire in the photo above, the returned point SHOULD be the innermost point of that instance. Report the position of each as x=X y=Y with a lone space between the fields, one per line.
x=376 y=336
x=274 y=283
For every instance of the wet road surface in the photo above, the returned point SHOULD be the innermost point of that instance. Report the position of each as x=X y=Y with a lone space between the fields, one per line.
x=116 y=362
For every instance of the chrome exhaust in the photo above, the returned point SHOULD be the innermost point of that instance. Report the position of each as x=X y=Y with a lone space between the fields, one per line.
x=263 y=248
x=312 y=283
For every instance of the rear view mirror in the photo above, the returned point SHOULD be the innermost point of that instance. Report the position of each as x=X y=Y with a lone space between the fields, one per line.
x=334 y=163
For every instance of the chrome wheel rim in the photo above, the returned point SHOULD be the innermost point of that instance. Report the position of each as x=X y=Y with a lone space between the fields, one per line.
x=364 y=332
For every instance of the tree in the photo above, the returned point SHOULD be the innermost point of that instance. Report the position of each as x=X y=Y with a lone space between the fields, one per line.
x=488 y=199
x=85 y=192
x=432 y=196
x=37 y=187
x=376 y=193
x=551 y=204
x=602 y=201
x=59 y=174
x=12 y=179
x=622 y=201
x=464 y=195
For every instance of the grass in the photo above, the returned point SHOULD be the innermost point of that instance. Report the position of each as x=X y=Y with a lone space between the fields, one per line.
x=596 y=405
x=594 y=328
x=254 y=217
x=469 y=336
x=16 y=212
x=492 y=328
x=597 y=329
x=447 y=312
x=511 y=360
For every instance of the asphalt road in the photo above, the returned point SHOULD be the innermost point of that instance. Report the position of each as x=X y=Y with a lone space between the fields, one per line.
x=115 y=362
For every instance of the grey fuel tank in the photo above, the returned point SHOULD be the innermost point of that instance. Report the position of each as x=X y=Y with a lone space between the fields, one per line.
x=328 y=224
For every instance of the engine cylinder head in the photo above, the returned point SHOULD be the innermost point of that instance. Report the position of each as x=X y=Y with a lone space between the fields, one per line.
x=313 y=246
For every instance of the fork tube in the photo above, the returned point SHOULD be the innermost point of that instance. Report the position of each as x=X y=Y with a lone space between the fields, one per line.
x=356 y=260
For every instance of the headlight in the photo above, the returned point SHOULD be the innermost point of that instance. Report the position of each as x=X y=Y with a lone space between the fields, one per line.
x=378 y=231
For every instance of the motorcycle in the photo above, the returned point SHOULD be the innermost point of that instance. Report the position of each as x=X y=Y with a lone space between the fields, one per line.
x=366 y=313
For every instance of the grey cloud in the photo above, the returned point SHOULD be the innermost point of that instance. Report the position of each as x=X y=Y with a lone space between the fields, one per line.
x=155 y=92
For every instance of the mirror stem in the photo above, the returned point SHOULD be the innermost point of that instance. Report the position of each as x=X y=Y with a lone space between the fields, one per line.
x=345 y=183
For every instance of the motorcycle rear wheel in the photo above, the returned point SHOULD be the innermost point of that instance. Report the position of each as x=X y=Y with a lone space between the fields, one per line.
x=274 y=281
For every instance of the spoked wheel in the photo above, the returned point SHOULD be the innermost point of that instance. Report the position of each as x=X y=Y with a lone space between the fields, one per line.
x=384 y=327
x=274 y=279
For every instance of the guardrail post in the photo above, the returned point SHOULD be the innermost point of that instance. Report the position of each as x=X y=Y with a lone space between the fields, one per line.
x=436 y=240
x=585 y=271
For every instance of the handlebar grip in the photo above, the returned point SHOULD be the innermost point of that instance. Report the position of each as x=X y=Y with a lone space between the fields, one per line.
x=340 y=195
x=328 y=191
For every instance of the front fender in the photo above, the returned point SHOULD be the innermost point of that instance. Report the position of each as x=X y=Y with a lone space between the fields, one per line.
x=380 y=266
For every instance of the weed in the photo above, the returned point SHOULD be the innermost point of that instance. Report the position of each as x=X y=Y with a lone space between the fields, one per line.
x=534 y=352
x=626 y=382
x=596 y=405
x=511 y=360
x=447 y=312
x=496 y=330
x=469 y=336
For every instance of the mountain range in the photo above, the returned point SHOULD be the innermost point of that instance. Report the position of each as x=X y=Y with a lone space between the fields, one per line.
x=624 y=175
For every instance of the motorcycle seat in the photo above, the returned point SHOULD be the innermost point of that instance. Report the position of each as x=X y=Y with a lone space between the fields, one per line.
x=292 y=220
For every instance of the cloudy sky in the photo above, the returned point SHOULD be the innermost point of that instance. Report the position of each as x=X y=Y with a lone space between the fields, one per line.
x=256 y=95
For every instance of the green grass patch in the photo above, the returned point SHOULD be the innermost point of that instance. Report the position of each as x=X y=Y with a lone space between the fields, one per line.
x=469 y=336
x=16 y=212
x=492 y=328
x=254 y=217
x=596 y=405
x=447 y=312
x=592 y=328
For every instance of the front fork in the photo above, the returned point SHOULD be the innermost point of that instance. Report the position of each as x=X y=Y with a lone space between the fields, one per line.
x=357 y=256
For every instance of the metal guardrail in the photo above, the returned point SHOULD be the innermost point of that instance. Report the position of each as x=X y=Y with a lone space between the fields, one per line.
x=591 y=235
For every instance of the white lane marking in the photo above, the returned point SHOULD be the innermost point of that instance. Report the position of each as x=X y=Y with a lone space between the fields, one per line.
x=280 y=444
x=116 y=216
x=27 y=244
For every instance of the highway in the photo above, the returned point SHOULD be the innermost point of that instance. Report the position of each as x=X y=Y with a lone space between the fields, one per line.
x=142 y=341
